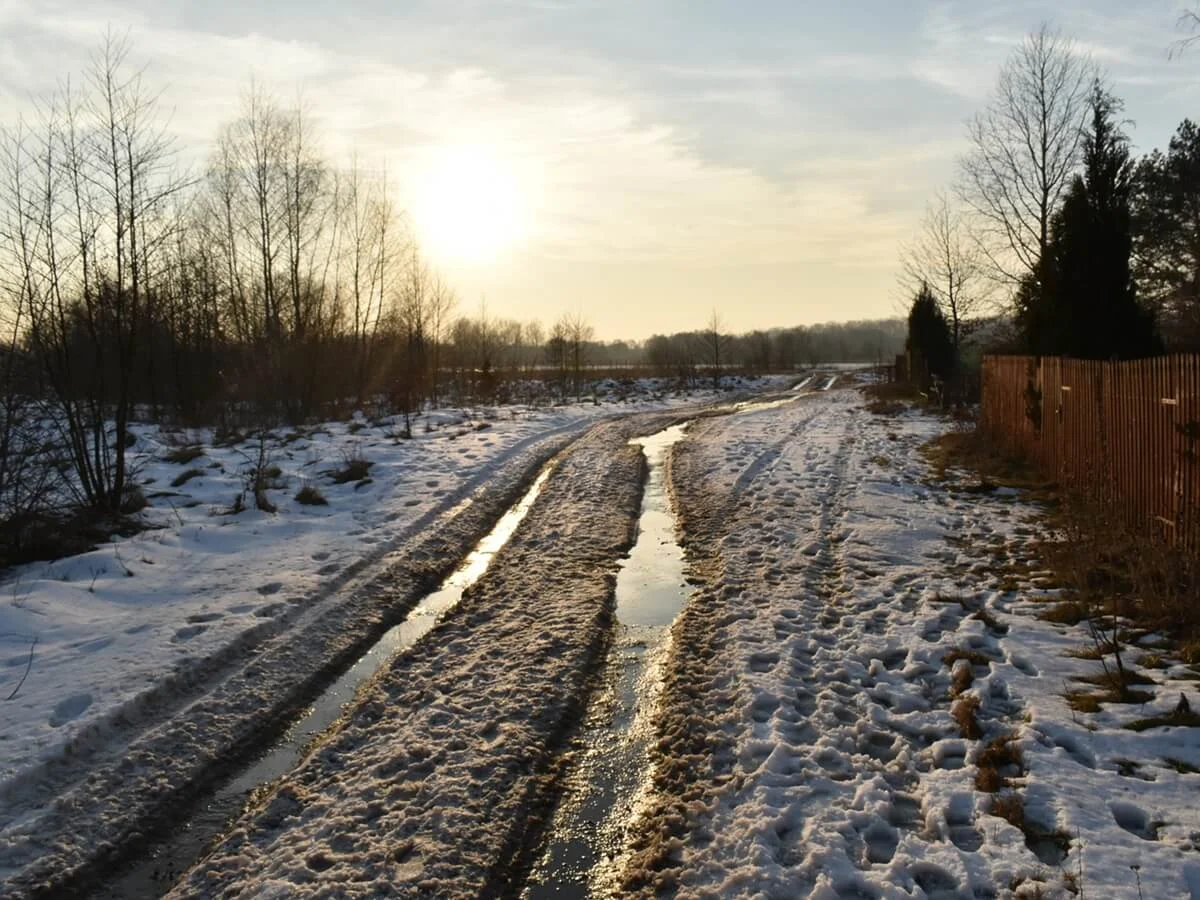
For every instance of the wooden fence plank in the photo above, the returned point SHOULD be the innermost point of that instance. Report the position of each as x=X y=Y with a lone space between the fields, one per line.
x=1124 y=433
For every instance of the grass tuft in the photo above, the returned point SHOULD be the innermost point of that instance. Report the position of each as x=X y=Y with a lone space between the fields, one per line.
x=185 y=476
x=310 y=495
x=965 y=713
x=353 y=469
x=184 y=455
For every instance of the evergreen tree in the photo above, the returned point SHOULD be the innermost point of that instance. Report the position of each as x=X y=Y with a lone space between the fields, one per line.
x=1085 y=305
x=929 y=334
x=1166 y=220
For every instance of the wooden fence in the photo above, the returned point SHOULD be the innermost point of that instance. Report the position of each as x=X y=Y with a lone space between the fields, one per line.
x=1127 y=434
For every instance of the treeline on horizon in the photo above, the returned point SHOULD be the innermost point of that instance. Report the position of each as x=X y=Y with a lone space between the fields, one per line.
x=1053 y=229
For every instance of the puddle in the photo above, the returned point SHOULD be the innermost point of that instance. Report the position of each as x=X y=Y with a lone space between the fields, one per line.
x=156 y=871
x=609 y=779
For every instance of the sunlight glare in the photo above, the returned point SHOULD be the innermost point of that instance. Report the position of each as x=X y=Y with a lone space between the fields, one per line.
x=468 y=205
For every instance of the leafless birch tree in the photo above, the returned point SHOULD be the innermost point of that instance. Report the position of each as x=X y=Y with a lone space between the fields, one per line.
x=945 y=256
x=1025 y=147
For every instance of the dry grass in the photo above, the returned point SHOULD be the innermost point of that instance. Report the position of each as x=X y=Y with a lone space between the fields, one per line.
x=185 y=476
x=1116 y=686
x=310 y=495
x=961 y=680
x=1084 y=701
x=974 y=657
x=890 y=399
x=184 y=455
x=1173 y=719
x=1180 y=766
x=1010 y=806
x=984 y=615
x=353 y=469
x=998 y=764
x=965 y=713
x=972 y=451
x=1067 y=612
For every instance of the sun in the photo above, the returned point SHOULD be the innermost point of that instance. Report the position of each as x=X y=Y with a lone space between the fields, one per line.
x=468 y=204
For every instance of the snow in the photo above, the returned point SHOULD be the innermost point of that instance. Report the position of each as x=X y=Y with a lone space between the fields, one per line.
x=215 y=624
x=808 y=744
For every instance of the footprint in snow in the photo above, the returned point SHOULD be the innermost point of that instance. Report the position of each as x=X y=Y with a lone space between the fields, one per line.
x=321 y=555
x=188 y=632
x=1022 y=665
x=267 y=612
x=1076 y=751
x=71 y=708
x=272 y=588
x=138 y=629
x=763 y=661
x=881 y=840
x=328 y=569
x=93 y=646
x=935 y=881
x=205 y=617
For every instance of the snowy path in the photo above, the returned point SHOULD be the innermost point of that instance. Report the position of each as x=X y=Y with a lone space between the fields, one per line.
x=808 y=744
x=433 y=785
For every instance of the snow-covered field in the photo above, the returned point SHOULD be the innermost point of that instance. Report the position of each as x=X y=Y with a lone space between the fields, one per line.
x=809 y=747
x=129 y=635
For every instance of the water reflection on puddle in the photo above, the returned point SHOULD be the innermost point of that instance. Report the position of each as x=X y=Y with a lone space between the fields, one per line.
x=607 y=782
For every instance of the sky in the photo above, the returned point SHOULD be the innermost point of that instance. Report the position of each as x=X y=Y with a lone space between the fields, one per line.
x=640 y=162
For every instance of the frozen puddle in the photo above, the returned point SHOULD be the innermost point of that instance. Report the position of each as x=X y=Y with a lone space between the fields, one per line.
x=155 y=872
x=609 y=779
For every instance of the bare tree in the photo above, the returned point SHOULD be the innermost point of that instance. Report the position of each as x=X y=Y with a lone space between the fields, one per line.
x=947 y=258
x=440 y=306
x=375 y=253
x=576 y=333
x=1189 y=21
x=99 y=224
x=1025 y=147
x=714 y=343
